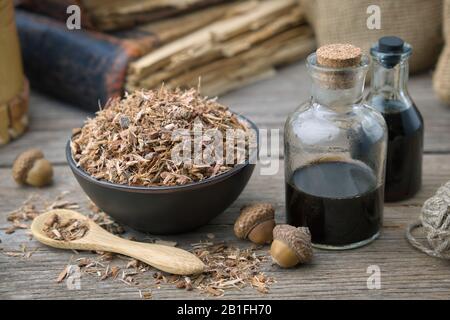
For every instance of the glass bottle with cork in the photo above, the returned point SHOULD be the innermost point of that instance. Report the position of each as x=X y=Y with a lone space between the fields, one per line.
x=389 y=95
x=335 y=153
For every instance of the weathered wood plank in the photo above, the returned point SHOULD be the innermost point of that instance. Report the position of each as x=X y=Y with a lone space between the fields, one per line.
x=331 y=275
x=260 y=188
x=405 y=273
x=267 y=103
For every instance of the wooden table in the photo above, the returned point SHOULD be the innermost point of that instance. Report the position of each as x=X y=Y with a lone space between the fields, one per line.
x=405 y=272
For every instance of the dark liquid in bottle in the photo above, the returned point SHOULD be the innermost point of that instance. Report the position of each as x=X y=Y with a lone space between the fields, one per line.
x=340 y=202
x=404 y=156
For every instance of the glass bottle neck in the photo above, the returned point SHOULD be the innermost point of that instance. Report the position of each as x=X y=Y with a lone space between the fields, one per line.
x=337 y=88
x=338 y=99
x=390 y=81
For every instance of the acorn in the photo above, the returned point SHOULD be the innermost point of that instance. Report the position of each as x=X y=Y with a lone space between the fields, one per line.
x=291 y=246
x=31 y=168
x=256 y=223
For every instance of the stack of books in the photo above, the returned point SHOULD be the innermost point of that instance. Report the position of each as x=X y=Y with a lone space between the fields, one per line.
x=130 y=44
x=108 y=15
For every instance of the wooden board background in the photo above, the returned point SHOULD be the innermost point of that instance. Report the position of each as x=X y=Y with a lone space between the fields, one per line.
x=405 y=272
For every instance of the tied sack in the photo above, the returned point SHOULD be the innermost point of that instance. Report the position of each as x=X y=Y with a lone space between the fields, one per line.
x=418 y=22
x=441 y=78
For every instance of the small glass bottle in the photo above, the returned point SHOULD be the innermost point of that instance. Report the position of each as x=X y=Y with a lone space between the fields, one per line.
x=389 y=95
x=335 y=153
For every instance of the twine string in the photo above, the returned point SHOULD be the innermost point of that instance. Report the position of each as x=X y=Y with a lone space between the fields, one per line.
x=438 y=252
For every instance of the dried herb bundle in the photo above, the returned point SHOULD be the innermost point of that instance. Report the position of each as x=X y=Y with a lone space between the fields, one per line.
x=23 y=252
x=231 y=268
x=30 y=210
x=18 y=217
x=65 y=230
x=104 y=221
x=131 y=141
x=35 y=205
x=228 y=268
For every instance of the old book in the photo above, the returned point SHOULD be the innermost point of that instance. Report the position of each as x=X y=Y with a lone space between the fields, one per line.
x=81 y=67
x=108 y=15
x=226 y=47
x=87 y=67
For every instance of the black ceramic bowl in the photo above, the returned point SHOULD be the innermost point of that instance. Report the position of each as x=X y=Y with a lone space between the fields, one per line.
x=166 y=210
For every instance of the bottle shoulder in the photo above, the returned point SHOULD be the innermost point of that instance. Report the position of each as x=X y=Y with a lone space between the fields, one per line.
x=399 y=112
x=315 y=124
x=310 y=111
x=390 y=101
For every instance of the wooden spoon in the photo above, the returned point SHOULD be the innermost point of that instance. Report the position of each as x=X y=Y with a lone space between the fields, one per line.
x=165 y=258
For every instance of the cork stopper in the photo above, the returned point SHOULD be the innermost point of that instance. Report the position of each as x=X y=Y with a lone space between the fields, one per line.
x=339 y=55
x=341 y=66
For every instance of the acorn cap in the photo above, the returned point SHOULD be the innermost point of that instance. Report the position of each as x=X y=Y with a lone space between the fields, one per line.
x=339 y=55
x=251 y=216
x=23 y=164
x=298 y=239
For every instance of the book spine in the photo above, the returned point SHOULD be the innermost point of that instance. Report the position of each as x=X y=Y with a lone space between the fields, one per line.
x=112 y=20
x=80 y=67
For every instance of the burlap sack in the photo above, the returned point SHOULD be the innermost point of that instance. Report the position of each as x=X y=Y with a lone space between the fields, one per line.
x=13 y=85
x=441 y=78
x=418 y=22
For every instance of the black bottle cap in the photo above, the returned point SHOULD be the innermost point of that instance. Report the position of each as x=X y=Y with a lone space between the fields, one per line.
x=390 y=51
x=391 y=45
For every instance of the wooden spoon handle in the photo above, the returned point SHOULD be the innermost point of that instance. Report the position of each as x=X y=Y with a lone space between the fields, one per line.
x=165 y=258
x=169 y=259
